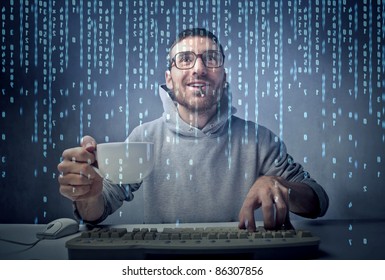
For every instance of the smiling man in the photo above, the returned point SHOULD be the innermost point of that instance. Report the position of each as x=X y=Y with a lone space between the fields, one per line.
x=210 y=166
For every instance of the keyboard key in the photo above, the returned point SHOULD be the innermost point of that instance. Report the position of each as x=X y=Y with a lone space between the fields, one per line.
x=196 y=236
x=288 y=234
x=128 y=236
x=149 y=236
x=139 y=235
x=185 y=236
x=175 y=236
x=118 y=232
x=243 y=235
x=164 y=236
x=233 y=235
x=277 y=234
x=267 y=234
x=304 y=233
x=212 y=235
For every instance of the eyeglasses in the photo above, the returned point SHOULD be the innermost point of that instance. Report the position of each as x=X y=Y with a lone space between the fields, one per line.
x=186 y=60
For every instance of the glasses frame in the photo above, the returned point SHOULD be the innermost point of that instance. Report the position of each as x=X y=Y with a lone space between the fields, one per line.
x=173 y=60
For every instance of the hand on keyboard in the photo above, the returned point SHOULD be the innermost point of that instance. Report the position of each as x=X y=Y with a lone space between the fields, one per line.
x=272 y=197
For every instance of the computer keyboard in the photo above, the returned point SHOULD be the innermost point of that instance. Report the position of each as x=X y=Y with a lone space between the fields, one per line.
x=192 y=243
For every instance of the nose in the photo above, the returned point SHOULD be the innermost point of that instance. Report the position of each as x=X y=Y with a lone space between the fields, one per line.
x=199 y=67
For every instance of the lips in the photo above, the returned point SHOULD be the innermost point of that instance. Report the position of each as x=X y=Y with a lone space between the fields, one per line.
x=199 y=85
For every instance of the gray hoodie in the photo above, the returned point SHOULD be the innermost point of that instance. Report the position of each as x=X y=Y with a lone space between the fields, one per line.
x=204 y=175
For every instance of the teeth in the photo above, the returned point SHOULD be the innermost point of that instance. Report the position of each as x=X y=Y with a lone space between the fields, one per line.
x=197 y=85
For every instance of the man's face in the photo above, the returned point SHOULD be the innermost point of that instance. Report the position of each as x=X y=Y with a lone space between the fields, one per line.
x=200 y=88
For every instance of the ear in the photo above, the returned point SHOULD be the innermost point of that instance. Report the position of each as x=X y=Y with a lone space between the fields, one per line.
x=168 y=78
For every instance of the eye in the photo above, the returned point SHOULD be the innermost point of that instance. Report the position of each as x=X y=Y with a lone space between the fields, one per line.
x=184 y=58
x=212 y=58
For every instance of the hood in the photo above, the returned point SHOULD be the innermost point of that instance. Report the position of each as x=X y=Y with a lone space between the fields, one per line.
x=212 y=129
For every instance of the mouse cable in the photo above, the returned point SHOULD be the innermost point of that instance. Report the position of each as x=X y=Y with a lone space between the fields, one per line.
x=21 y=243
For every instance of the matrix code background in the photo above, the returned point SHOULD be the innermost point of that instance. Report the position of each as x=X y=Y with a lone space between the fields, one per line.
x=311 y=71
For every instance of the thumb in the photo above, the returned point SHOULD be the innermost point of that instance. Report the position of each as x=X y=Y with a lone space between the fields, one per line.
x=89 y=143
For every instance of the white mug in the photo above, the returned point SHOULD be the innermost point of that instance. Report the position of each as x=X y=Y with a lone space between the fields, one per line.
x=124 y=162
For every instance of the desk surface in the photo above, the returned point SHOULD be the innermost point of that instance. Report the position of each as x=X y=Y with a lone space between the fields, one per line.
x=340 y=239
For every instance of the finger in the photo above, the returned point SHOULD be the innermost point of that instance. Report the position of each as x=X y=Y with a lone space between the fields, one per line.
x=79 y=154
x=288 y=224
x=242 y=223
x=82 y=169
x=247 y=221
x=268 y=206
x=250 y=223
x=246 y=214
x=73 y=179
x=280 y=211
x=74 y=192
x=281 y=200
x=89 y=143
x=268 y=214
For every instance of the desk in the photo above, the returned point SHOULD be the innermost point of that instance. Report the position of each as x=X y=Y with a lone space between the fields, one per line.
x=340 y=239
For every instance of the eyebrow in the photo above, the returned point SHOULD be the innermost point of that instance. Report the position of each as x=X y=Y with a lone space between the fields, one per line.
x=189 y=47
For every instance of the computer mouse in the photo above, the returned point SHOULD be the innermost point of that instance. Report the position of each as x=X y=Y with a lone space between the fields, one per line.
x=59 y=228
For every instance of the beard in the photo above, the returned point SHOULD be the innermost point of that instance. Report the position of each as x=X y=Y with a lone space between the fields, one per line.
x=198 y=101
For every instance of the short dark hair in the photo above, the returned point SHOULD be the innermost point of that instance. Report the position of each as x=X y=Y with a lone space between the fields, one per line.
x=193 y=32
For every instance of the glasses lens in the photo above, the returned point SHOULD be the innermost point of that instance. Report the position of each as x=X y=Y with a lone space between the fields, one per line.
x=185 y=60
x=212 y=59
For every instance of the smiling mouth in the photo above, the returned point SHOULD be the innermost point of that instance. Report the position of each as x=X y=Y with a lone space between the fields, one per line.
x=200 y=88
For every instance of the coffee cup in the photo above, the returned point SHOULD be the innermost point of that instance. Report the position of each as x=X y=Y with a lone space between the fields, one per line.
x=124 y=162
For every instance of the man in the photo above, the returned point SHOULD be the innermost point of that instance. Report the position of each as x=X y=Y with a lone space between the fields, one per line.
x=209 y=164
